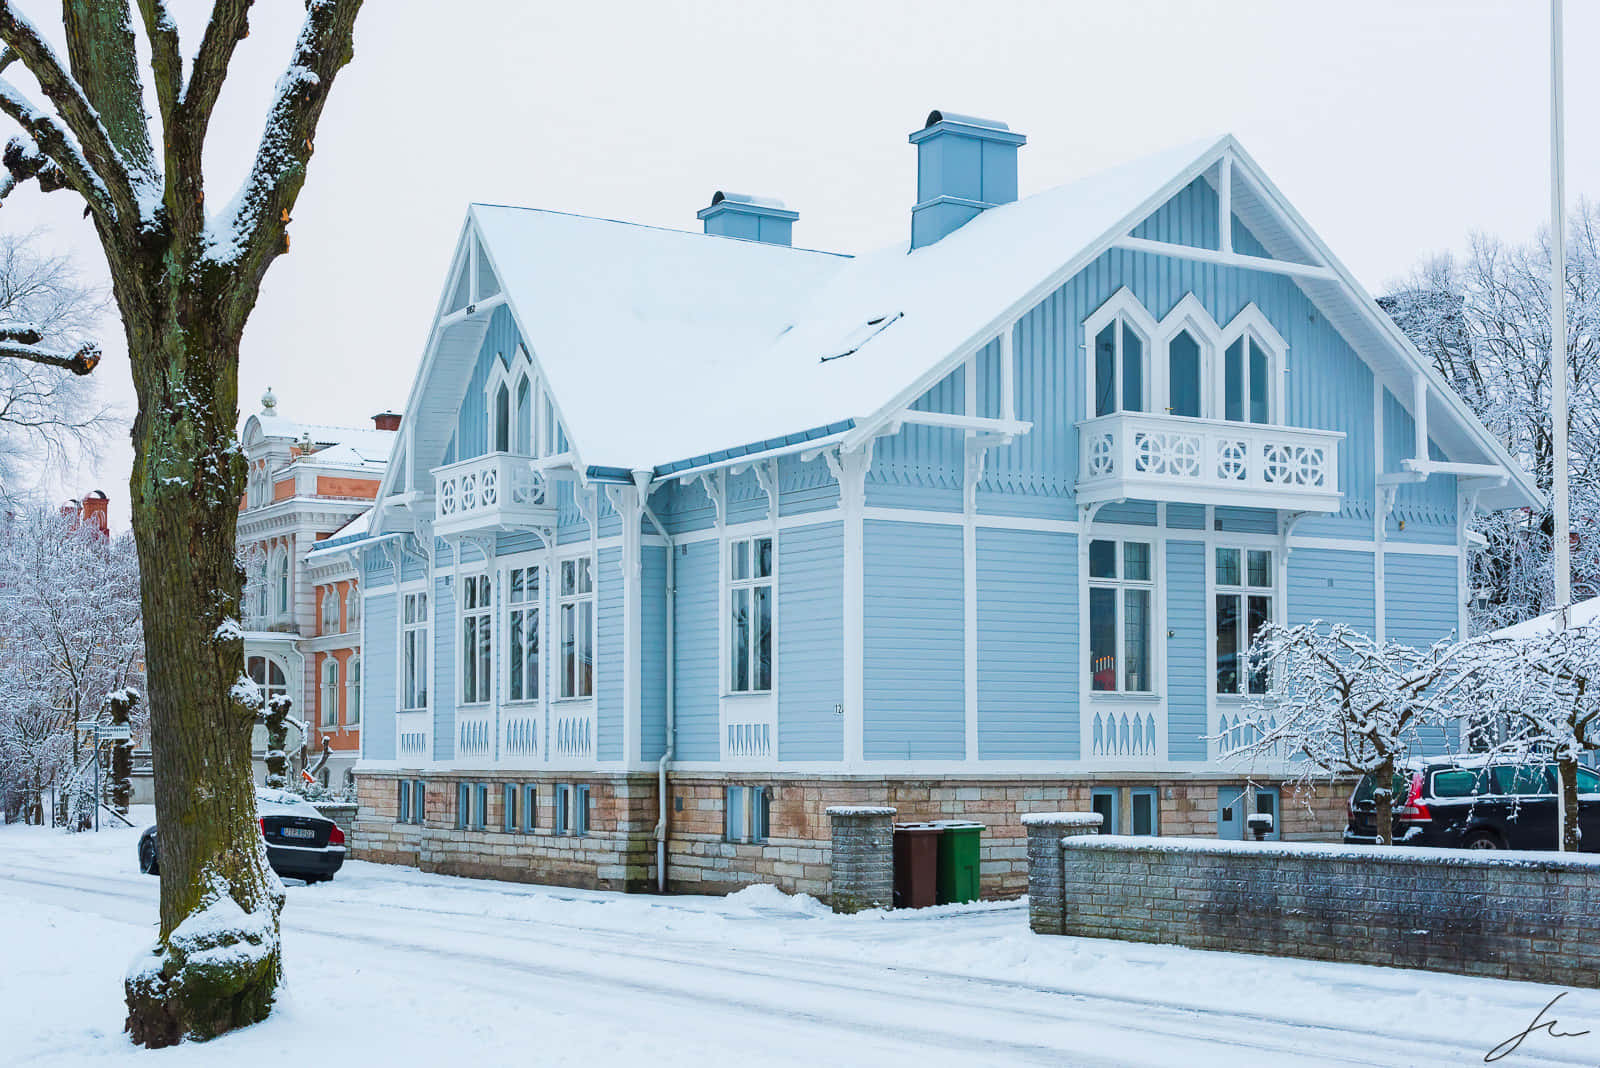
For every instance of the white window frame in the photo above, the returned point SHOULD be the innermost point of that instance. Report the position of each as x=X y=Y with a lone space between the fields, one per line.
x=1243 y=590
x=567 y=688
x=352 y=690
x=519 y=672
x=1253 y=325
x=415 y=675
x=1189 y=315
x=330 y=691
x=481 y=615
x=746 y=814
x=1122 y=585
x=279 y=588
x=330 y=603
x=268 y=690
x=1124 y=306
x=511 y=374
x=352 y=609
x=747 y=586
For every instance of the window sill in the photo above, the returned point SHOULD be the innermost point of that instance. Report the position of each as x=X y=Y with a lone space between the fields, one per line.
x=530 y=702
x=735 y=695
x=572 y=700
x=1119 y=696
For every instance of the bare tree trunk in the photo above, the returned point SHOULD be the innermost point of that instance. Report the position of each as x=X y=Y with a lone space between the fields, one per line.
x=1383 y=802
x=1571 y=833
x=277 y=740
x=187 y=477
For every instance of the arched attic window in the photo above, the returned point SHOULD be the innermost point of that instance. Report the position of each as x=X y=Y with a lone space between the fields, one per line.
x=523 y=422
x=1188 y=342
x=1119 y=336
x=502 y=418
x=1253 y=367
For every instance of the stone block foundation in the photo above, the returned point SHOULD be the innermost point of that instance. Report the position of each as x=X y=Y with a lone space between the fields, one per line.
x=618 y=852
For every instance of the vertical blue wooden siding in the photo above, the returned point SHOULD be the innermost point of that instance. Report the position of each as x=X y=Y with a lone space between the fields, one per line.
x=1027 y=645
x=914 y=660
x=378 y=673
x=697 y=678
x=1428 y=508
x=443 y=691
x=1186 y=650
x=805 y=487
x=472 y=420
x=1333 y=585
x=653 y=653
x=811 y=642
x=609 y=660
x=1420 y=598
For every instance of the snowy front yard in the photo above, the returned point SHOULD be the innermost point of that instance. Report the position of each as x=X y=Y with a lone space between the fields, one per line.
x=389 y=965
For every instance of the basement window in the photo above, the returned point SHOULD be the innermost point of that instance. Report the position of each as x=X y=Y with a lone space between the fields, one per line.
x=746 y=812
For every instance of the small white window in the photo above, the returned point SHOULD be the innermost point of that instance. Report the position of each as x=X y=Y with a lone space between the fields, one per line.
x=1120 y=596
x=414 y=652
x=746 y=813
x=750 y=615
x=330 y=610
x=330 y=692
x=477 y=637
x=522 y=634
x=268 y=676
x=577 y=627
x=1243 y=581
x=352 y=686
x=278 y=583
x=1252 y=369
x=352 y=609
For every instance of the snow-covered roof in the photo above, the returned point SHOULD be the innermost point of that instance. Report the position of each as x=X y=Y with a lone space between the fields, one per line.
x=353 y=531
x=663 y=347
x=365 y=453
x=1582 y=614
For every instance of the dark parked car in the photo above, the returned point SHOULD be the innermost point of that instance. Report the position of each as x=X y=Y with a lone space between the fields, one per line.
x=1470 y=803
x=302 y=843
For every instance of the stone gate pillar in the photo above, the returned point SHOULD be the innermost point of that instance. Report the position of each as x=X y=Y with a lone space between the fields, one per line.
x=1046 y=875
x=863 y=857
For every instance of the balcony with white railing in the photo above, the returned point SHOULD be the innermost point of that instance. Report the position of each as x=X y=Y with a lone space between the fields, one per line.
x=1137 y=455
x=490 y=493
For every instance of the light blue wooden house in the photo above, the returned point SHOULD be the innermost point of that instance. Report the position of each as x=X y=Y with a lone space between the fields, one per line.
x=688 y=535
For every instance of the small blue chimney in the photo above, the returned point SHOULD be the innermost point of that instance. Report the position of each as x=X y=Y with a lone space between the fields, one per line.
x=751 y=218
x=964 y=165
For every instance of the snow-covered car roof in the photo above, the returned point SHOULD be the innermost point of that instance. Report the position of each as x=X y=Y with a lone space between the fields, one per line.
x=282 y=802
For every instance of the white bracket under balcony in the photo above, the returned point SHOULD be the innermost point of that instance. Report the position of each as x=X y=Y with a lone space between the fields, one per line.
x=1137 y=455
x=497 y=492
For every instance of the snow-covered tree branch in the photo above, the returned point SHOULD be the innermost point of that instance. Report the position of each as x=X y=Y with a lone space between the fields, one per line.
x=1341 y=703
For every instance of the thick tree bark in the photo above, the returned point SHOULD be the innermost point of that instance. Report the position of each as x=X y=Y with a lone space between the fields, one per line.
x=187 y=478
x=1383 y=801
x=1571 y=834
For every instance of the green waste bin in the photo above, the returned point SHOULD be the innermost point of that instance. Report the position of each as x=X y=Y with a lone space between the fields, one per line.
x=958 y=861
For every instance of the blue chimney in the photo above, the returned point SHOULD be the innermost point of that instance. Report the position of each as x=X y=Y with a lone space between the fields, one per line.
x=964 y=165
x=751 y=218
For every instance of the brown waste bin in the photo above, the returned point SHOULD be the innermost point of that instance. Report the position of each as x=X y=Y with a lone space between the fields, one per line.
x=916 y=865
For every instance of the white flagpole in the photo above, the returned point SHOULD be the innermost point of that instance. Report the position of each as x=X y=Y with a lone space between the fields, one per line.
x=1558 y=315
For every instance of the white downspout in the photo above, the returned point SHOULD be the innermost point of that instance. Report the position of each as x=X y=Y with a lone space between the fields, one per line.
x=642 y=480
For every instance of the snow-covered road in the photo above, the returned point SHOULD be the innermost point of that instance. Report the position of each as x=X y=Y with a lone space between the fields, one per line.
x=390 y=965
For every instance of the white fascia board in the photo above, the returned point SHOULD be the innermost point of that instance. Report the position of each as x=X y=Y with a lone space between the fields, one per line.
x=1374 y=315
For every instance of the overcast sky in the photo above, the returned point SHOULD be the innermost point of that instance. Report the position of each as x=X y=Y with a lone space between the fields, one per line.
x=1395 y=126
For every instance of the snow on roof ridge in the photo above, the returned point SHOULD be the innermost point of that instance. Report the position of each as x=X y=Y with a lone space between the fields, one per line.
x=656 y=227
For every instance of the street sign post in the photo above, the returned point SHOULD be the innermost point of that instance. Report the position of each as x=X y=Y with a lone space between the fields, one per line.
x=115 y=732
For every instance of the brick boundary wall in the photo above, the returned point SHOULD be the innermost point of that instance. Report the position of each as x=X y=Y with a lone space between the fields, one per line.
x=863 y=858
x=1045 y=832
x=1523 y=916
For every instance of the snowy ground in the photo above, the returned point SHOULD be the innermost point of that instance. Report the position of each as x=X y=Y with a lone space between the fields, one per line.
x=389 y=965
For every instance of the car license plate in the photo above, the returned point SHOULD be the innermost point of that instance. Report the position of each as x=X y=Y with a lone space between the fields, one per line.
x=297 y=832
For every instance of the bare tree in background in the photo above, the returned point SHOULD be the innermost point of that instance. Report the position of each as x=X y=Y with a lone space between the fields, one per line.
x=1484 y=321
x=70 y=636
x=48 y=415
x=186 y=269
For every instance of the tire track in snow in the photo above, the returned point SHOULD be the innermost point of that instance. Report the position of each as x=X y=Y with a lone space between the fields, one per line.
x=993 y=997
